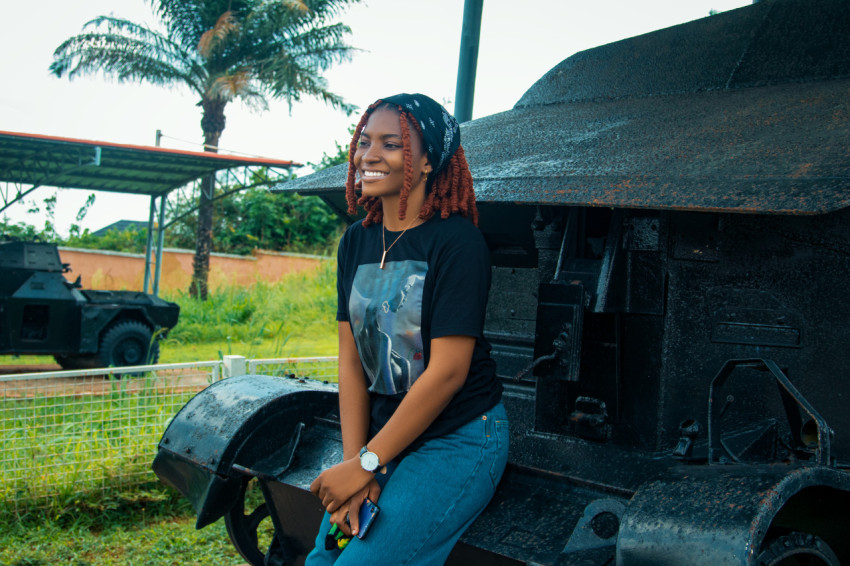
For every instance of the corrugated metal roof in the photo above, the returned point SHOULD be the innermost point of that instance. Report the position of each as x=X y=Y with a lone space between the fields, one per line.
x=102 y=166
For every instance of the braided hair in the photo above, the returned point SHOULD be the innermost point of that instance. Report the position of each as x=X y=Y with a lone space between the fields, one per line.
x=447 y=191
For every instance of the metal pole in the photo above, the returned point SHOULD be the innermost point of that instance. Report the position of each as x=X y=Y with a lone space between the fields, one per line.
x=159 y=244
x=149 y=244
x=468 y=61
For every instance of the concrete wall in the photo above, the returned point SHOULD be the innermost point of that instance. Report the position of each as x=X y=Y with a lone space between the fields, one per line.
x=121 y=271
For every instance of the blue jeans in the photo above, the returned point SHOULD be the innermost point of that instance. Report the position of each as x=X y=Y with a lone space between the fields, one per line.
x=429 y=498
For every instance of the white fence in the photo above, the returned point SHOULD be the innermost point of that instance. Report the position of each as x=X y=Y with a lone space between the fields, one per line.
x=70 y=434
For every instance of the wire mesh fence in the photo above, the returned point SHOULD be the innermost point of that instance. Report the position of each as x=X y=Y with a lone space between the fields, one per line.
x=69 y=434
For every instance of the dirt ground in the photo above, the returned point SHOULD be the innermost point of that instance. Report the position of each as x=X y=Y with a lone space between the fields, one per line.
x=22 y=368
x=174 y=381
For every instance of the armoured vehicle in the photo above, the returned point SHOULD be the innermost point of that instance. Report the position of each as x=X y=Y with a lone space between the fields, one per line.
x=668 y=223
x=43 y=313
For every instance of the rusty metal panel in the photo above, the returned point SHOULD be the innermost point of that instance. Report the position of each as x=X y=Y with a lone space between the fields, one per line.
x=775 y=150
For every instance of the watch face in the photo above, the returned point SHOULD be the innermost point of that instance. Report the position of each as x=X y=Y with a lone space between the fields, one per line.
x=369 y=461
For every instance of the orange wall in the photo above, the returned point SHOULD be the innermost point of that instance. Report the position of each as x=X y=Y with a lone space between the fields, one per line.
x=120 y=271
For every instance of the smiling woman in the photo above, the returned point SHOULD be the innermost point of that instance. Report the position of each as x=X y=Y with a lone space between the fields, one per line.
x=423 y=427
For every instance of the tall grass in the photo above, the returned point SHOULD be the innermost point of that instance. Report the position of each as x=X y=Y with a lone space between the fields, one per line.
x=302 y=306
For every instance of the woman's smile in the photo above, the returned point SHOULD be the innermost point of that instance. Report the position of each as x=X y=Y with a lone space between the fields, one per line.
x=369 y=174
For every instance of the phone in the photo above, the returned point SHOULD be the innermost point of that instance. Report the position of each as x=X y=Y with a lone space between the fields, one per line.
x=368 y=511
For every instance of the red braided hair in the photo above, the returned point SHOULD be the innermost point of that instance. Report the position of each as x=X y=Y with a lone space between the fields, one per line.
x=448 y=192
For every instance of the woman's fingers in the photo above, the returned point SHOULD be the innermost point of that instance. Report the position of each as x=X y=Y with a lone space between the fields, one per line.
x=331 y=506
x=374 y=491
x=354 y=513
x=340 y=517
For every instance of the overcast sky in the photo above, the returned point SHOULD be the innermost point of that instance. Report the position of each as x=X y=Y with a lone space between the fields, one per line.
x=406 y=46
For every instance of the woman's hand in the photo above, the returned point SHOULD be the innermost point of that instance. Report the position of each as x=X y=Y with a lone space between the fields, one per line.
x=347 y=517
x=337 y=485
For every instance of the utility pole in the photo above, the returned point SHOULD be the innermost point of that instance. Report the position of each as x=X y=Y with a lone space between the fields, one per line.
x=468 y=61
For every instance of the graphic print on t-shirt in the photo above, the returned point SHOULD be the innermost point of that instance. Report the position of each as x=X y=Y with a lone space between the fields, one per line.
x=385 y=311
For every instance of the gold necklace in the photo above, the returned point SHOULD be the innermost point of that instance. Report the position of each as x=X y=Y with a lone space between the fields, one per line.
x=384 y=240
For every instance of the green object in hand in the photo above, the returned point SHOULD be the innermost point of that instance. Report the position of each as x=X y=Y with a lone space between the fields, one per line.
x=336 y=538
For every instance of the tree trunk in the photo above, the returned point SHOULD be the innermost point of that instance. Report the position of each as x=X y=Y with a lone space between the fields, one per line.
x=212 y=123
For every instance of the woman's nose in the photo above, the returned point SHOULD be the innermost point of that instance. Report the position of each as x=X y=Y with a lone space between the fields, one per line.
x=371 y=154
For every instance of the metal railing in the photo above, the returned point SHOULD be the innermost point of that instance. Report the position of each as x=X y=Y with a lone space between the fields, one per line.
x=71 y=434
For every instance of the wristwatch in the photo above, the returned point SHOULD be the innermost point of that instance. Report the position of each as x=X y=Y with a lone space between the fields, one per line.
x=369 y=461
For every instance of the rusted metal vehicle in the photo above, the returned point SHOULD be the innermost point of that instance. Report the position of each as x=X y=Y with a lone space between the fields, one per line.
x=43 y=313
x=668 y=222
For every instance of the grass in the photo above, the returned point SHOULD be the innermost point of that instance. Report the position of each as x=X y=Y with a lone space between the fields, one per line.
x=73 y=508
x=302 y=306
x=148 y=525
x=78 y=447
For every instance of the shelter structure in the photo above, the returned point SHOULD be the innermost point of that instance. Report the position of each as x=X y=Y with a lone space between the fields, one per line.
x=30 y=161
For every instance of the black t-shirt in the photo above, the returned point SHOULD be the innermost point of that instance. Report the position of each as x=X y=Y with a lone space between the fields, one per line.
x=434 y=283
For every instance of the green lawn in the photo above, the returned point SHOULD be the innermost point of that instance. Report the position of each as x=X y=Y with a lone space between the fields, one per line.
x=150 y=528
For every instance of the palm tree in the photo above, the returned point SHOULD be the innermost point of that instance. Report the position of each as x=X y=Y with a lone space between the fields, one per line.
x=222 y=50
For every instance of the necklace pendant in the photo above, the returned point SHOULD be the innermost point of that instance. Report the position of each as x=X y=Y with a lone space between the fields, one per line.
x=383 y=258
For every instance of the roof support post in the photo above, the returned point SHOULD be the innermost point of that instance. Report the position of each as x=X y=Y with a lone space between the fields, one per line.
x=160 y=241
x=468 y=63
x=149 y=244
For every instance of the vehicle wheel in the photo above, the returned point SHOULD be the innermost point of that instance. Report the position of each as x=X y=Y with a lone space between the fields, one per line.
x=798 y=549
x=126 y=344
x=250 y=532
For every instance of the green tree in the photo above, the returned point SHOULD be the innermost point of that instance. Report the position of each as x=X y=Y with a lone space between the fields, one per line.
x=24 y=231
x=131 y=240
x=222 y=50
x=256 y=218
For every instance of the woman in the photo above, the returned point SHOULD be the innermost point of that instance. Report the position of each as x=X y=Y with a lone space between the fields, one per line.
x=423 y=428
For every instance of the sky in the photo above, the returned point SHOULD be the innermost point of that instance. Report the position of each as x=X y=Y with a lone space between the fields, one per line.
x=403 y=46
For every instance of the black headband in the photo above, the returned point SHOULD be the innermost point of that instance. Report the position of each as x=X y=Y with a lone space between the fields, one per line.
x=439 y=128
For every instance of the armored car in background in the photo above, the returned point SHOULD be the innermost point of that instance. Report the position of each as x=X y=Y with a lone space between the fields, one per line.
x=43 y=313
